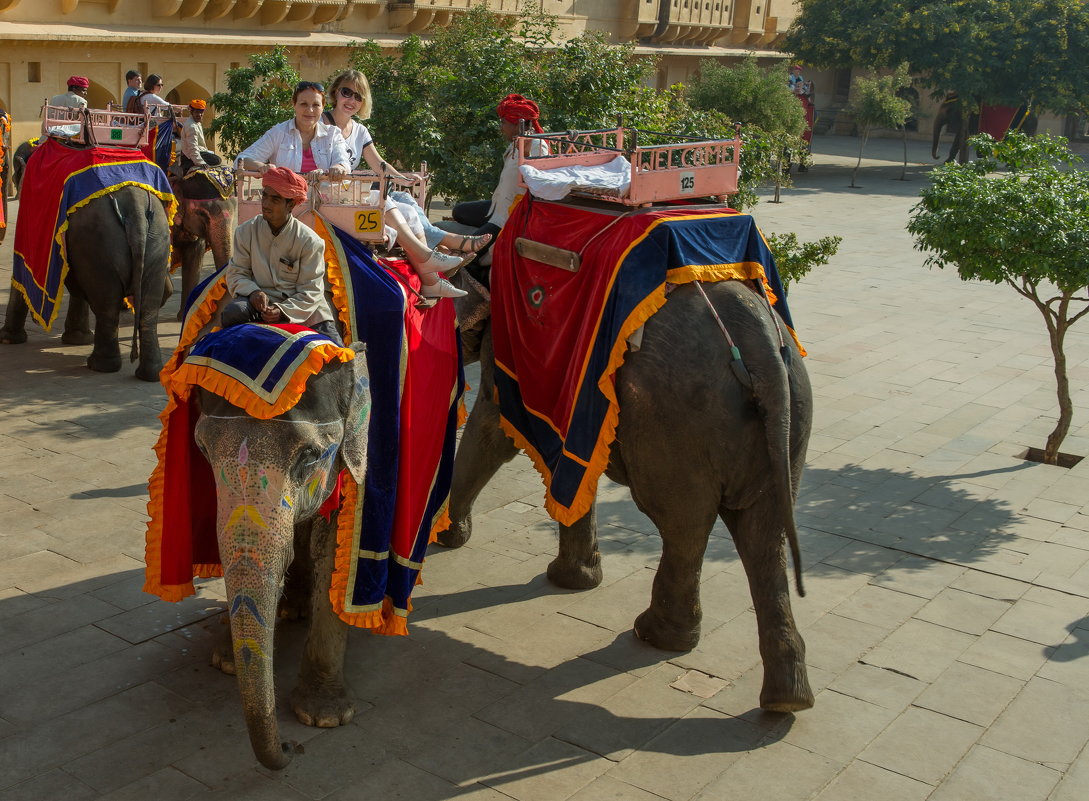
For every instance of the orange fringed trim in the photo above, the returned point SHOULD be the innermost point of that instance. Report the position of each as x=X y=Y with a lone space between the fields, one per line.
x=198 y=317
x=334 y=276
x=238 y=393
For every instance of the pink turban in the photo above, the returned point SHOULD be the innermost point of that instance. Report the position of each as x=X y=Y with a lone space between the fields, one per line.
x=80 y=81
x=285 y=183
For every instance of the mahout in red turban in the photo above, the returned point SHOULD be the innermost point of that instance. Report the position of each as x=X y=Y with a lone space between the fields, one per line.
x=285 y=183
x=80 y=81
x=513 y=108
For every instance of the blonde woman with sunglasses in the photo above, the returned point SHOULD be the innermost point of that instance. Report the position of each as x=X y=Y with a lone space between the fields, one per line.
x=351 y=96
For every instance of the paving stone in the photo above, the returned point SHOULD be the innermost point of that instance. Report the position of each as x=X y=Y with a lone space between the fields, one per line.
x=863 y=558
x=879 y=606
x=726 y=652
x=741 y=698
x=919 y=649
x=54 y=619
x=989 y=775
x=861 y=780
x=922 y=745
x=606 y=788
x=167 y=784
x=855 y=722
x=549 y=770
x=1069 y=663
x=49 y=786
x=760 y=774
x=918 y=576
x=1037 y=623
x=614 y=607
x=970 y=693
x=1074 y=785
x=876 y=685
x=990 y=586
x=833 y=642
x=1047 y=723
x=1010 y=656
x=689 y=754
x=962 y=611
x=555 y=699
x=472 y=750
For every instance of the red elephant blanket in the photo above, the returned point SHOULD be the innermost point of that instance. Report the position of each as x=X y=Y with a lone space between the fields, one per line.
x=58 y=181
x=560 y=336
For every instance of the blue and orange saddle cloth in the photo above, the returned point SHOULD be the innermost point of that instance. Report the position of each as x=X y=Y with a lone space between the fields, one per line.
x=560 y=336
x=416 y=379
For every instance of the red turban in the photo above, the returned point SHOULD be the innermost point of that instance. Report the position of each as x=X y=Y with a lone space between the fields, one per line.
x=515 y=107
x=285 y=183
x=80 y=81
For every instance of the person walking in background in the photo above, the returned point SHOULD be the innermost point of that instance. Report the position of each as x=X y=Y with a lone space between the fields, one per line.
x=76 y=96
x=133 y=78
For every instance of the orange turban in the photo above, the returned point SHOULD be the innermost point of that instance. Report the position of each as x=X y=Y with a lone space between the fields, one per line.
x=285 y=183
x=515 y=107
x=198 y=104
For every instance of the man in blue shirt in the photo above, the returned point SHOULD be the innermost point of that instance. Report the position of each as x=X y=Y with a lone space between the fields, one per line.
x=134 y=80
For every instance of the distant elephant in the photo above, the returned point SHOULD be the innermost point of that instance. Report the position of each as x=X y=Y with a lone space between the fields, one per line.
x=118 y=247
x=949 y=117
x=679 y=408
x=205 y=219
x=18 y=165
x=291 y=465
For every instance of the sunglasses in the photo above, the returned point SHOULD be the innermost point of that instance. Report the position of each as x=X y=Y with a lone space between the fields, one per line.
x=309 y=85
x=348 y=94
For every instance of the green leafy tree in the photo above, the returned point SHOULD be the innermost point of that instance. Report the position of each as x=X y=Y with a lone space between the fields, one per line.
x=876 y=104
x=749 y=94
x=795 y=259
x=1003 y=52
x=1027 y=227
x=257 y=97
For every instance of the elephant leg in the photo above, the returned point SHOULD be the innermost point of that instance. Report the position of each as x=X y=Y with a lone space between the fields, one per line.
x=758 y=536
x=483 y=449
x=151 y=358
x=106 y=356
x=672 y=621
x=577 y=566
x=14 y=330
x=191 y=253
x=320 y=697
x=77 y=322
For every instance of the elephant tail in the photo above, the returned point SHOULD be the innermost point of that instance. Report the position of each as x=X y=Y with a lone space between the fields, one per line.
x=772 y=390
x=136 y=231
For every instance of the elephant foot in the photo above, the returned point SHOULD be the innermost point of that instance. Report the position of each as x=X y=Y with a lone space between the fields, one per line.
x=104 y=364
x=786 y=688
x=326 y=706
x=652 y=629
x=9 y=337
x=78 y=338
x=575 y=575
x=148 y=372
x=457 y=535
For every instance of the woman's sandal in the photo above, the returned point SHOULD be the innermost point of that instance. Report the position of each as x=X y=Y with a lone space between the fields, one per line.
x=474 y=244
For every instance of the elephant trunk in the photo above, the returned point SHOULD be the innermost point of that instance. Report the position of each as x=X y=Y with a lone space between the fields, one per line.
x=253 y=575
x=221 y=234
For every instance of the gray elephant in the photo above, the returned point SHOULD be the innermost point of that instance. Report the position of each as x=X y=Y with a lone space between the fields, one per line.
x=678 y=408
x=205 y=219
x=292 y=462
x=118 y=247
x=18 y=164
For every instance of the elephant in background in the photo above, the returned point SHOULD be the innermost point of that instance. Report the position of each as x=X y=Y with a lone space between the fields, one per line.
x=950 y=119
x=18 y=165
x=680 y=407
x=118 y=246
x=205 y=219
x=281 y=470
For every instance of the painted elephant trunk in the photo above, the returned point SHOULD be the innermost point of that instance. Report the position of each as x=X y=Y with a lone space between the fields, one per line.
x=255 y=545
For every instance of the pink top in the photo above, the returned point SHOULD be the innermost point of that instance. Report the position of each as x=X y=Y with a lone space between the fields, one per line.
x=308 y=163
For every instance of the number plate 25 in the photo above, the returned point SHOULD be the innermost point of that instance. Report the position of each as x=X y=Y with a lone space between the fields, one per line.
x=368 y=221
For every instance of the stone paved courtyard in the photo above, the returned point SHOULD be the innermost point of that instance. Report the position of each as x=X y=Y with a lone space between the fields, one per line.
x=946 y=615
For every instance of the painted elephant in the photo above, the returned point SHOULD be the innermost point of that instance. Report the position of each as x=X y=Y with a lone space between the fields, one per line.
x=205 y=219
x=678 y=407
x=118 y=247
x=280 y=471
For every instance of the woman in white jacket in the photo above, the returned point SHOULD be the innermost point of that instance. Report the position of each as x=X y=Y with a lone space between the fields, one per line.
x=307 y=145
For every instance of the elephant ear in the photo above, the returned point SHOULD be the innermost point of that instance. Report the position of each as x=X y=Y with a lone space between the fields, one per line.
x=357 y=415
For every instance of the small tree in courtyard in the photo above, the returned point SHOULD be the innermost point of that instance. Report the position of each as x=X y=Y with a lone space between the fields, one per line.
x=257 y=97
x=1027 y=227
x=876 y=104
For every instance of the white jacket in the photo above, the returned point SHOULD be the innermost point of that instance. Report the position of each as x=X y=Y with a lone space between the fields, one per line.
x=282 y=145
